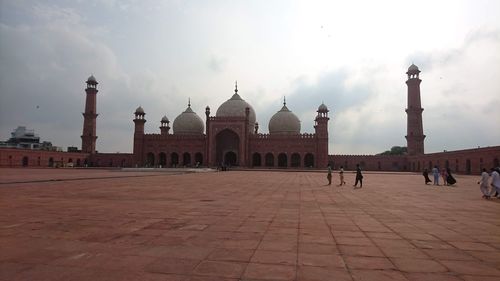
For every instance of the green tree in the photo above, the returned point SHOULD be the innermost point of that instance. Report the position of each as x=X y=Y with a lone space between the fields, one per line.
x=395 y=150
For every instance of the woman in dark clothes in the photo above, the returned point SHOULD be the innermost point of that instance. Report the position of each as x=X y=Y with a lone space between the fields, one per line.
x=359 y=177
x=450 y=179
x=426 y=176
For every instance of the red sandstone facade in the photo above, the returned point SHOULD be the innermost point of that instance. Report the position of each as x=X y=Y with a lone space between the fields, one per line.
x=235 y=141
x=232 y=141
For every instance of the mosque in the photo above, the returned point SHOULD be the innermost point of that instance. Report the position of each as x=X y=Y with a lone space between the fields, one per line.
x=232 y=138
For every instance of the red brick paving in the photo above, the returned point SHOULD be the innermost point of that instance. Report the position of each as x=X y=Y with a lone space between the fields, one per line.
x=78 y=224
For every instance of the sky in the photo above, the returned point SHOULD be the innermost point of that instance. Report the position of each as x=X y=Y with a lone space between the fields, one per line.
x=350 y=55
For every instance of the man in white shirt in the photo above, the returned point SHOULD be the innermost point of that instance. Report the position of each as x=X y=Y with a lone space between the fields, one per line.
x=495 y=183
x=483 y=184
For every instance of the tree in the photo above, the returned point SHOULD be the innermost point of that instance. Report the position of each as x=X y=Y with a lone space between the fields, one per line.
x=395 y=150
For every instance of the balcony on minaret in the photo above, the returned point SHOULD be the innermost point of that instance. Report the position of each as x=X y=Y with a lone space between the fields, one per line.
x=92 y=82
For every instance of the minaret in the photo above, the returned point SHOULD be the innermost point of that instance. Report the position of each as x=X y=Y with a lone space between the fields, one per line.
x=321 y=130
x=415 y=132
x=89 y=117
x=139 y=121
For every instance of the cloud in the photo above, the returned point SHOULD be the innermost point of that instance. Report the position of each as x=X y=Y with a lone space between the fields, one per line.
x=42 y=74
x=217 y=64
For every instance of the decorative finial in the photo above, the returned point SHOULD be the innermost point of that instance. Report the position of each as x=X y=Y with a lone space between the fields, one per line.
x=236 y=86
x=189 y=102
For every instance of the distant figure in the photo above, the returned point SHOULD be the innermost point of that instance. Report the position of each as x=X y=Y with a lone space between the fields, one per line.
x=449 y=178
x=444 y=175
x=495 y=183
x=329 y=175
x=483 y=184
x=341 y=175
x=359 y=177
x=426 y=176
x=435 y=173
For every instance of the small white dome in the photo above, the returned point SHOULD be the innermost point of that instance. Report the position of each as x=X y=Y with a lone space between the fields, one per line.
x=322 y=108
x=188 y=123
x=139 y=110
x=235 y=107
x=91 y=79
x=413 y=68
x=284 y=122
x=164 y=119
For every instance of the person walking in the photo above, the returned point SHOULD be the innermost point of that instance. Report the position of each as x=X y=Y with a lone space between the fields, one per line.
x=483 y=184
x=359 y=177
x=435 y=173
x=341 y=176
x=329 y=175
x=444 y=175
x=426 y=176
x=495 y=183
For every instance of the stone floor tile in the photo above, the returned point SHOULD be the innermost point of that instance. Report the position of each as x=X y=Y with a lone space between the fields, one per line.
x=449 y=254
x=314 y=273
x=383 y=235
x=220 y=269
x=317 y=248
x=269 y=272
x=278 y=246
x=240 y=255
x=471 y=268
x=355 y=241
x=210 y=278
x=419 y=236
x=340 y=233
x=321 y=260
x=377 y=275
x=479 y=278
x=240 y=244
x=10 y=269
x=432 y=244
x=392 y=243
x=418 y=265
x=419 y=276
x=274 y=257
x=473 y=246
x=173 y=266
x=368 y=263
x=364 y=251
x=490 y=257
x=398 y=252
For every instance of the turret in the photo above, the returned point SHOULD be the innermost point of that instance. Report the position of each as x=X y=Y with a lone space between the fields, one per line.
x=164 y=125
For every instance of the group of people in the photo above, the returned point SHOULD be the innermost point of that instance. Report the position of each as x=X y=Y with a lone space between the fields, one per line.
x=485 y=183
x=445 y=174
x=359 y=176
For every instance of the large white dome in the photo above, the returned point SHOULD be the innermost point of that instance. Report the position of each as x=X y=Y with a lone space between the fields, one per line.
x=284 y=122
x=235 y=107
x=188 y=123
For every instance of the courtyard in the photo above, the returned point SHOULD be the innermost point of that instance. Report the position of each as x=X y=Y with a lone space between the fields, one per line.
x=86 y=224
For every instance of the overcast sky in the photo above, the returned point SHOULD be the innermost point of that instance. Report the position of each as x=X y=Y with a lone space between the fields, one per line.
x=351 y=55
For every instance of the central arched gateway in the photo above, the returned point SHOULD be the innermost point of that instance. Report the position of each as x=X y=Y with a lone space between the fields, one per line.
x=227 y=148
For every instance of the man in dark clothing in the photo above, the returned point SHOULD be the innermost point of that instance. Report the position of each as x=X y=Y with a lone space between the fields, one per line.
x=359 y=177
x=426 y=176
